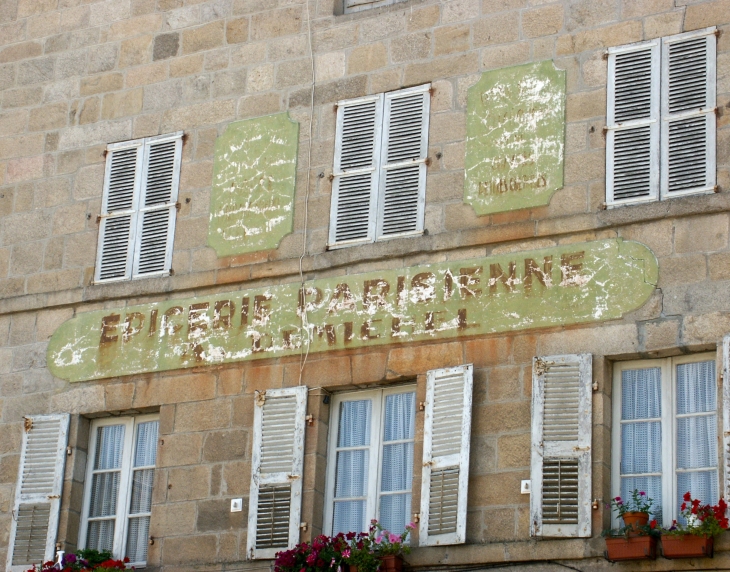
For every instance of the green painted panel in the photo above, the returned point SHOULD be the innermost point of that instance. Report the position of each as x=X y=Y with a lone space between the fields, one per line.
x=254 y=174
x=566 y=284
x=515 y=137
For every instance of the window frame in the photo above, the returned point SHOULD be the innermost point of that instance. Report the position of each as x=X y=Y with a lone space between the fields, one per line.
x=668 y=426
x=660 y=118
x=137 y=211
x=366 y=5
x=380 y=167
x=121 y=520
x=378 y=396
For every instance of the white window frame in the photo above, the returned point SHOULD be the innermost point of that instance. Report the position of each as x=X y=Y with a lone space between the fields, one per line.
x=352 y=6
x=380 y=168
x=661 y=115
x=376 y=450
x=670 y=510
x=137 y=210
x=125 y=479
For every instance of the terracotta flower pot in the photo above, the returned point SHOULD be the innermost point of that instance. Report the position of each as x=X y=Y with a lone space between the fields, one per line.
x=635 y=520
x=633 y=548
x=391 y=563
x=687 y=546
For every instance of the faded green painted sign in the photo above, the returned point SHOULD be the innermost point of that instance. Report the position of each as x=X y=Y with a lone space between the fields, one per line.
x=515 y=136
x=566 y=284
x=254 y=174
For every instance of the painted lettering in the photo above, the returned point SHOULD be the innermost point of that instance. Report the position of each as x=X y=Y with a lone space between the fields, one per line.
x=543 y=275
x=367 y=332
x=328 y=330
x=305 y=305
x=168 y=326
x=131 y=330
x=261 y=310
x=221 y=320
x=496 y=274
x=374 y=293
x=570 y=269
x=109 y=326
x=153 y=322
x=468 y=279
x=423 y=287
x=342 y=299
x=245 y=303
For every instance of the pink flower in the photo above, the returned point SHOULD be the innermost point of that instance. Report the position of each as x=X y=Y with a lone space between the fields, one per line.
x=412 y=526
x=393 y=538
x=346 y=553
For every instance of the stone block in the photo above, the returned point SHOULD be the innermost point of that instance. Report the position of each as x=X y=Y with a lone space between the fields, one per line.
x=101 y=83
x=661 y=335
x=330 y=92
x=719 y=266
x=179 y=450
x=236 y=478
x=37 y=70
x=418 y=359
x=450 y=39
x=487 y=352
x=708 y=328
x=459 y=10
x=190 y=549
x=425 y=17
x=662 y=25
x=135 y=51
x=172 y=519
x=189 y=387
x=513 y=451
x=122 y=104
x=483 y=454
x=294 y=72
x=440 y=68
x=260 y=78
x=501 y=417
x=204 y=37
x=499 y=524
x=188 y=483
x=215 y=515
x=13 y=122
x=502 y=56
x=497 y=489
x=366 y=58
x=504 y=383
x=707 y=14
x=22 y=145
x=499 y=29
x=21 y=51
x=237 y=30
x=682 y=270
x=275 y=23
x=330 y=66
x=202 y=114
x=231 y=445
x=542 y=21
x=203 y=415
x=165 y=46
x=701 y=233
x=416 y=46
x=22 y=97
x=445 y=127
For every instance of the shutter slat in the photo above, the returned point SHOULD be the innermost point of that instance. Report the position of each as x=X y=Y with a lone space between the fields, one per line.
x=632 y=140
x=688 y=118
x=447 y=430
x=277 y=463
x=561 y=441
x=38 y=492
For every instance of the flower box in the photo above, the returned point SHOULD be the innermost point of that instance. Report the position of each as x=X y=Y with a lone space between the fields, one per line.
x=687 y=546
x=632 y=548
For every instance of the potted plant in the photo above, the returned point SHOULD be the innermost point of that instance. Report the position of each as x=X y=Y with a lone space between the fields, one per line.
x=634 y=511
x=390 y=547
x=696 y=538
x=83 y=561
x=323 y=553
x=637 y=539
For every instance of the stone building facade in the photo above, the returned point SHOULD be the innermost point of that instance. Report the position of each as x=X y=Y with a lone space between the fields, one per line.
x=77 y=76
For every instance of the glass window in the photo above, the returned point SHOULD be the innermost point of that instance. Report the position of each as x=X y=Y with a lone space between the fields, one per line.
x=371 y=472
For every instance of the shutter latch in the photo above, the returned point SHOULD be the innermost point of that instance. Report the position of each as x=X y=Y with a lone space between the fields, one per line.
x=581 y=449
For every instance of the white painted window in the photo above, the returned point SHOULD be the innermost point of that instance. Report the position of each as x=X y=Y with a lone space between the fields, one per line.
x=660 y=140
x=379 y=184
x=370 y=460
x=726 y=412
x=277 y=463
x=118 y=490
x=359 y=5
x=665 y=423
x=38 y=492
x=562 y=397
x=139 y=206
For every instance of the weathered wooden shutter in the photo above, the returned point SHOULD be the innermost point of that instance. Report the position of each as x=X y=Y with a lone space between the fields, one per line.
x=402 y=201
x=688 y=113
x=157 y=210
x=632 y=138
x=277 y=462
x=119 y=204
x=357 y=157
x=38 y=495
x=446 y=434
x=726 y=412
x=560 y=502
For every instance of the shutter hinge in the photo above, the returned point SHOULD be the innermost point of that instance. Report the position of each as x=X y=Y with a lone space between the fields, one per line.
x=431 y=91
x=27 y=424
x=335 y=107
x=309 y=419
x=716 y=189
x=98 y=219
x=595 y=386
x=605 y=55
x=331 y=177
x=303 y=526
x=68 y=451
x=541 y=366
x=260 y=398
x=428 y=464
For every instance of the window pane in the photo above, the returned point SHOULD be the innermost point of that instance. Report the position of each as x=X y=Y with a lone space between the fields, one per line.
x=137 y=538
x=652 y=486
x=400 y=416
x=696 y=387
x=352 y=473
x=142 y=491
x=641 y=447
x=109 y=445
x=397 y=472
x=696 y=442
x=702 y=485
x=101 y=535
x=349 y=517
x=395 y=512
x=641 y=393
x=146 y=446
x=354 y=427
x=104 y=490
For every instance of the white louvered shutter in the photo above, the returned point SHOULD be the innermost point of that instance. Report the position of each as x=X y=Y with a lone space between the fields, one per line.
x=446 y=434
x=157 y=210
x=688 y=113
x=277 y=463
x=560 y=500
x=726 y=413
x=403 y=162
x=358 y=5
x=119 y=206
x=632 y=139
x=38 y=495
x=357 y=158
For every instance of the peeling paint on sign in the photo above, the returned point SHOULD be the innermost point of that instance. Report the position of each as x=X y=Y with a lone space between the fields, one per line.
x=566 y=284
x=515 y=134
x=252 y=200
